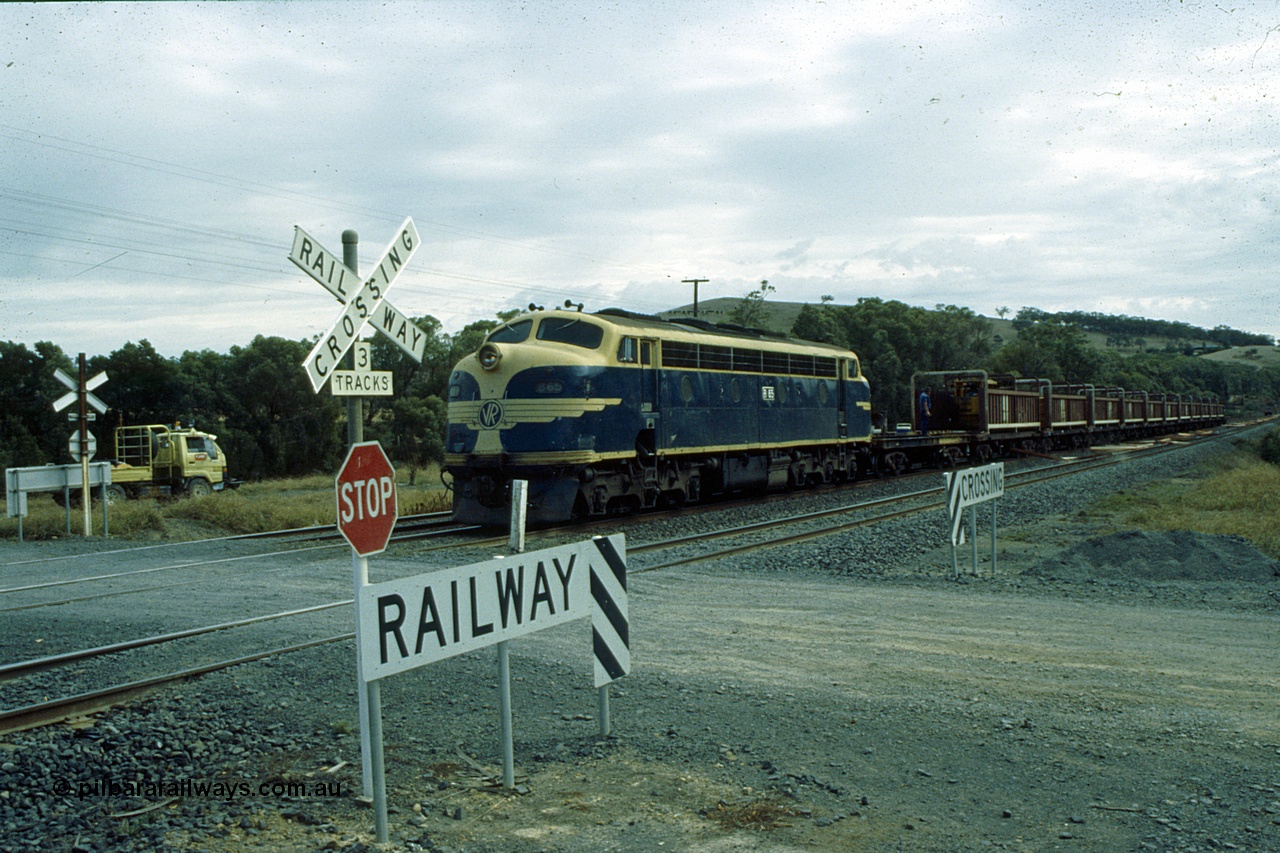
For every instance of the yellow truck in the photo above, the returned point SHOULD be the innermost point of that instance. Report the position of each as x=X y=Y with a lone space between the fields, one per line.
x=156 y=459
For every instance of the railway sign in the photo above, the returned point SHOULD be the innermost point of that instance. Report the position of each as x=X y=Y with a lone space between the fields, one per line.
x=366 y=495
x=90 y=384
x=340 y=280
x=967 y=488
x=365 y=305
x=410 y=622
x=361 y=382
x=971 y=486
x=78 y=447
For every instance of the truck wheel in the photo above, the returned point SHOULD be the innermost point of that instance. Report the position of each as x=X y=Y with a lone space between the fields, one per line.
x=116 y=494
x=199 y=488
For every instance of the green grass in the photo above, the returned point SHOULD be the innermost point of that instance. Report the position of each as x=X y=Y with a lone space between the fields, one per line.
x=1235 y=495
x=253 y=508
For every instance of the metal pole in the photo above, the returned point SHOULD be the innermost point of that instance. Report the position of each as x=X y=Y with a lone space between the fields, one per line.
x=519 y=515
x=360 y=578
x=102 y=499
x=373 y=698
x=602 y=709
x=504 y=713
x=84 y=446
x=993 y=537
x=973 y=534
x=355 y=405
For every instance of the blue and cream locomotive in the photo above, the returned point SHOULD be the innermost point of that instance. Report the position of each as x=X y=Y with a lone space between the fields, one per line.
x=614 y=412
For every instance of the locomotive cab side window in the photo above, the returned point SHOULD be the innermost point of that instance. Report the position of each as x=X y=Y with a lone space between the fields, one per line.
x=627 y=351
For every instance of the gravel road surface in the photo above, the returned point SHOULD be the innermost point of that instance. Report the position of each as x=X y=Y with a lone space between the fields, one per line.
x=1107 y=690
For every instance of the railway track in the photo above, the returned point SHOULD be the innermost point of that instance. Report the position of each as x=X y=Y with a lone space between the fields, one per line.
x=683 y=550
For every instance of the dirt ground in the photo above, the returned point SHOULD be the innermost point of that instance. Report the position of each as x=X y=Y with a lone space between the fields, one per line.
x=1068 y=704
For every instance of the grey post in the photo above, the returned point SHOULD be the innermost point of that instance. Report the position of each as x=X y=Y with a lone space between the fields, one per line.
x=360 y=578
x=973 y=533
x=374 y=699
x=355 y=405
x=519 y=516
x=355 y=435
x=85 y=491
x=993 y=538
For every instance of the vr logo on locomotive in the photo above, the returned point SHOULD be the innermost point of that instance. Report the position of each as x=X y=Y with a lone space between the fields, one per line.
x=490 y=414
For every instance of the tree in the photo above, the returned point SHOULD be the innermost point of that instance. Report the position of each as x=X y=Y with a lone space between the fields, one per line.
x=143 y=386
x=750 y=312
x=816 y=324
x=31 y=433
x=282 y=428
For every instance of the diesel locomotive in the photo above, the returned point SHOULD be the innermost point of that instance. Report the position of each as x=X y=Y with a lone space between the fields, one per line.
x=615 y=412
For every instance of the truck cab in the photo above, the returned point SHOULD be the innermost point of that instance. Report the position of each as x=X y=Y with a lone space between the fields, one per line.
x=156 y=459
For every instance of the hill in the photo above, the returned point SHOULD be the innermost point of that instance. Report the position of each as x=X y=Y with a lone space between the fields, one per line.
x=1257 y=357
x=781 y=316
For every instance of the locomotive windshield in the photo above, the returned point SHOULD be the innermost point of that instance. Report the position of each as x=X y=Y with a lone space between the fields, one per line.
x=511 y=333
x=564 y=330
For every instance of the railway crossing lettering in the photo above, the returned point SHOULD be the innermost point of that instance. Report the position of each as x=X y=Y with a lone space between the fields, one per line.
x=410 y=622
x=367 y=304
x=442 y=615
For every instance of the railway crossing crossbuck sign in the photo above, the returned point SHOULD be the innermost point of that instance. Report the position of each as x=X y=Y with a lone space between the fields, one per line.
x=365 y=304
x=366 y=493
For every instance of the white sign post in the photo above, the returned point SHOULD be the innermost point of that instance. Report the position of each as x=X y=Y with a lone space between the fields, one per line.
x=967 y=488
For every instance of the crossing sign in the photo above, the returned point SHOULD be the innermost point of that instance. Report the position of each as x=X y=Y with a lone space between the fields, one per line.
x=367 y=303
x=90 y=384
x=340 y=280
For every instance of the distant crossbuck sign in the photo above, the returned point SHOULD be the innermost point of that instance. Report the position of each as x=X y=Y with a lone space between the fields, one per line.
x=367 y=304
x=968 y=487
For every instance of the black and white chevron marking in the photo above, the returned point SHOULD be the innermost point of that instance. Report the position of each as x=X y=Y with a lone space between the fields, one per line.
x=955 y=512
x=610 y=633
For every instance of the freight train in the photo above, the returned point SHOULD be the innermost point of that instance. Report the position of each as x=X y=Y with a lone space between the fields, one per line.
x=614 y=412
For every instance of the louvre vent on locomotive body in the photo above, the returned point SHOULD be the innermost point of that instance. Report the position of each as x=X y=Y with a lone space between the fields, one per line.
x=615 y=412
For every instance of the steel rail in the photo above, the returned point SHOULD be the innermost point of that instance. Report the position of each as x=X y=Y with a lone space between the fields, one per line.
x=57 y=710
x=23 y=668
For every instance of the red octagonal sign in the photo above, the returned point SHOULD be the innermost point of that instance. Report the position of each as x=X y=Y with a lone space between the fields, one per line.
x=366 y=489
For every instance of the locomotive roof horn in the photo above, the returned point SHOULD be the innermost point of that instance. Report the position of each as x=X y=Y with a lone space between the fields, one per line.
x=569 y=303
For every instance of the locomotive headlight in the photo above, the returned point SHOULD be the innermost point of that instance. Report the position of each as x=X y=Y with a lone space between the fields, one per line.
x=489 y=356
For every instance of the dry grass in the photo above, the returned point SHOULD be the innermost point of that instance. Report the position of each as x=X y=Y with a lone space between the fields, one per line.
x=1239 y=496
x=253 y=508
x=759 y=815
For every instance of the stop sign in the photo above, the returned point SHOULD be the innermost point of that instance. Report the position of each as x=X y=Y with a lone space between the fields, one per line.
x=366 y=491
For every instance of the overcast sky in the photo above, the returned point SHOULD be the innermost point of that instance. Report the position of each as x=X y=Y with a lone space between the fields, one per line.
x=1110 y=156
